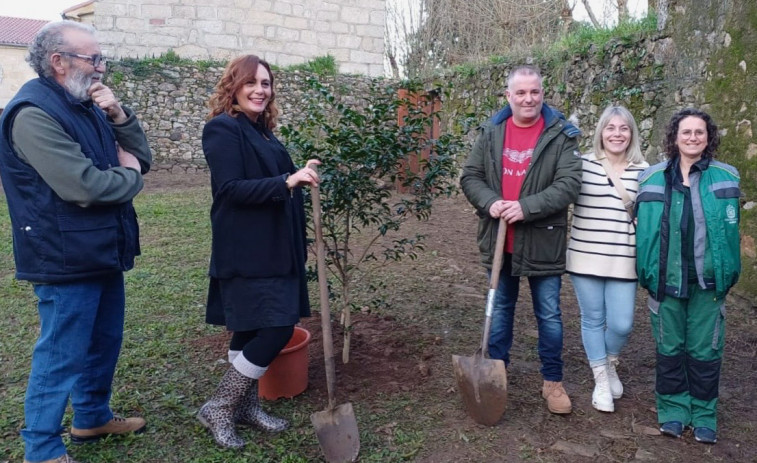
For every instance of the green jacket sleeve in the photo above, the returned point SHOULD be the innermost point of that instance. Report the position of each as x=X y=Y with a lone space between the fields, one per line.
x=41 y=142
x=479 y=182
x=132 y=138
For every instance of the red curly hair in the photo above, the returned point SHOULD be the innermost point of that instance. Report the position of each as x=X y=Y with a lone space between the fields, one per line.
x=238 y=72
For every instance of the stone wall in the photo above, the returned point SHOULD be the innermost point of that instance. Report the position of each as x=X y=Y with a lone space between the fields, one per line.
x=283 y=32
x=172 y=100
x=581 y=86
x=172 y=103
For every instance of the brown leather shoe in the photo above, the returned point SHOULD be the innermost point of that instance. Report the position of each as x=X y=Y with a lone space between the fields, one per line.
x=557 y=399
x=116 y=426
x=61 y=459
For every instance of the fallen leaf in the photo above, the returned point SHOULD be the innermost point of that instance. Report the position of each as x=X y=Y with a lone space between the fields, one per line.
x=646 y=430
x=643 y=455
x=575 y=449
x=614 y=435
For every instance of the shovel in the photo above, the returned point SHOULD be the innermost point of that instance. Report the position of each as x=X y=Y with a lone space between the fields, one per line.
x=483 y=381
x=336 y=426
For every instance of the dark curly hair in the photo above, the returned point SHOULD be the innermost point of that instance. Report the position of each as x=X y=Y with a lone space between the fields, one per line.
x=671 y=133
x=238 y=72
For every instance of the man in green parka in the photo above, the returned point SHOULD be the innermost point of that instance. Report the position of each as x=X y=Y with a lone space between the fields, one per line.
x=525 y=168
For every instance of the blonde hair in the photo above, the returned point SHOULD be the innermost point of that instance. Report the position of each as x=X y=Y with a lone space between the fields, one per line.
x=633 y=152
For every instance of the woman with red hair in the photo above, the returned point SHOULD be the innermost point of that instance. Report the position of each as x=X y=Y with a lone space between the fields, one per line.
x=258 y=285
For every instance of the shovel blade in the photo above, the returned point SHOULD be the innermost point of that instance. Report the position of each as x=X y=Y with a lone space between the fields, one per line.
x=482 y=384
x=337 y=433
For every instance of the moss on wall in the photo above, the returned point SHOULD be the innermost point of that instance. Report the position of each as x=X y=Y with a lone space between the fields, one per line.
x=729 y=94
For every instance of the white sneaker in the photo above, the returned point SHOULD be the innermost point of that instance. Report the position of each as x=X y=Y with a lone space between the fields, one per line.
x=601 y=398
x=616 y=387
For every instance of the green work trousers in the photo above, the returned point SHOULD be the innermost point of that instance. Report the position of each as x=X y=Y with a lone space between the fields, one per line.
x=689 y=336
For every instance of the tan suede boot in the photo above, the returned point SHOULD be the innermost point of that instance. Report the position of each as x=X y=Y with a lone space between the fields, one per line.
x=61 y=459
x=557 y=399
x=115 y=427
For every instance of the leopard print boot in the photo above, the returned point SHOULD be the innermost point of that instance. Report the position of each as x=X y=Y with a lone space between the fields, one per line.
x=251 y=413
x=218 y=413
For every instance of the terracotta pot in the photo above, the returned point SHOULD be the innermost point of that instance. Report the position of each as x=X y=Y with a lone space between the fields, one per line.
x=287 y=376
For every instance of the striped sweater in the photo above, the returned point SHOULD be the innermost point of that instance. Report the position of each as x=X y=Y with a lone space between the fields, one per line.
x=602 y=237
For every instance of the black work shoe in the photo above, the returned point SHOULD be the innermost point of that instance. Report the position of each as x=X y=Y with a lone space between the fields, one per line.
x=705 y=435
x=114 y=427
x=672 y=429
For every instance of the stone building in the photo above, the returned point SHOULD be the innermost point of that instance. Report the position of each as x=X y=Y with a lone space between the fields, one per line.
x=283 y=32
x=15 y=36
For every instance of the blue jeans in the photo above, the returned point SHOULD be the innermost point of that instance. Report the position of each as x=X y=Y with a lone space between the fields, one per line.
x=81 y=329
x=545 y=292
x=606 y=314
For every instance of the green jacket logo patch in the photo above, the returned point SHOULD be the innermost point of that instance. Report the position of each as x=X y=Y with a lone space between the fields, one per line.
x=730 y=214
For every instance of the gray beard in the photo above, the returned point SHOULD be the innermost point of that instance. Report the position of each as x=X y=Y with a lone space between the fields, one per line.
x=78 y=83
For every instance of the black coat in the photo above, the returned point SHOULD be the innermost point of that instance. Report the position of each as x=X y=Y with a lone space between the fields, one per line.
x=257 y=264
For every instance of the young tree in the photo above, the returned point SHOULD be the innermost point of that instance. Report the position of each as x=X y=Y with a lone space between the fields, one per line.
x=364 y=149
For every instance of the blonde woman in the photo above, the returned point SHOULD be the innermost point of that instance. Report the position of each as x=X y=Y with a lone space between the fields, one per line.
x=601 y=257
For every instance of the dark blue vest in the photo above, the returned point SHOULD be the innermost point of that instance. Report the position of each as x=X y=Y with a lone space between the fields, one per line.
x=55 y=241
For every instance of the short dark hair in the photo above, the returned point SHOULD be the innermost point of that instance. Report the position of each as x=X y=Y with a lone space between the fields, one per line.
x=671 y=133
x=523 y=70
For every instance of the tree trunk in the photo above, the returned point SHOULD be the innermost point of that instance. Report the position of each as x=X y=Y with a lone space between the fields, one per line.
x=591 y=13
x=346 y=322
x=662 y=14
x=622 y=11
x=566 y=16
x=393 y=64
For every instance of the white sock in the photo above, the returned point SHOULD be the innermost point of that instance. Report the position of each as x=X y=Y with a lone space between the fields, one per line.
x=233 y=354
x=248 y=368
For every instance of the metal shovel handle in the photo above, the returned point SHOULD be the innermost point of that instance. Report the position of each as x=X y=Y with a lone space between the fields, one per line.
x=323 y=285
x=499 y=250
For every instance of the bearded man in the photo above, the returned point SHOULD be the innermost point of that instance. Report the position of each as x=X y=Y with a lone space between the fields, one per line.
x=71 y=160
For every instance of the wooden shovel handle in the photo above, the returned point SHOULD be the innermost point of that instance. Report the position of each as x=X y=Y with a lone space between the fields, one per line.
x=499 y=250
x=323 y=285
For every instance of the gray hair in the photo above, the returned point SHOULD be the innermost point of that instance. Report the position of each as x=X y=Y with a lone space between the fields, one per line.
x=50 y=40
x=524 y=70
x=633 y=152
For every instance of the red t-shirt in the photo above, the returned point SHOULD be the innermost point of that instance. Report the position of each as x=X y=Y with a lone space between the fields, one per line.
x=516 y=156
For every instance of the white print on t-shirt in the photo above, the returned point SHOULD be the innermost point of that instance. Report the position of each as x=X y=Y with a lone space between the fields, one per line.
x=513 y=173
x=518 y=157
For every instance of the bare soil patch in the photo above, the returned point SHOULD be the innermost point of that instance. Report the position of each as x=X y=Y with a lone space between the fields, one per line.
x=433 y=307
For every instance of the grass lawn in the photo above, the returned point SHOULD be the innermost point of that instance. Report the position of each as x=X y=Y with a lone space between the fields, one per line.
x=412 y=316
x=162 y=375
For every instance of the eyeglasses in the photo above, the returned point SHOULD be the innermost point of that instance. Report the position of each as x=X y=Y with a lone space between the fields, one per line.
x=94 y=60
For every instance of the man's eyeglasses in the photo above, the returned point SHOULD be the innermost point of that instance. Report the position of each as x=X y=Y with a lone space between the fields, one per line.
x=94 y=60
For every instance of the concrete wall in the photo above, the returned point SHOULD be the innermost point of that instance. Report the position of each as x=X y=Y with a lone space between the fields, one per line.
x=14 y=72
x=283 y=32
